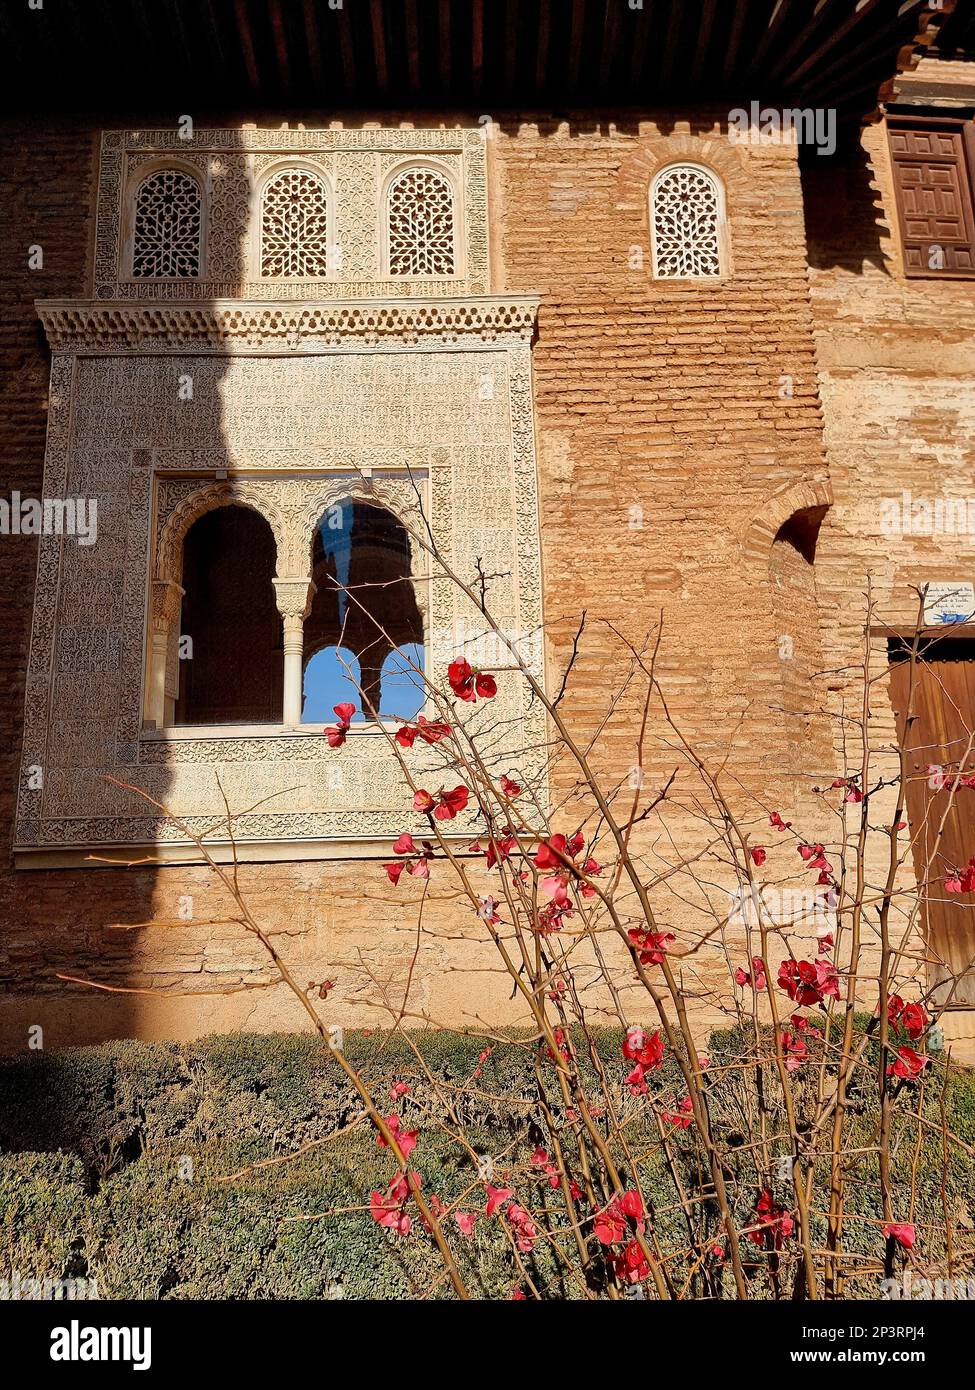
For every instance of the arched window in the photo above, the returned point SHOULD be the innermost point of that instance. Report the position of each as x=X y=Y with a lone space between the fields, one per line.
x=687 y=223
x=420 y=223
x=231 y=662
x=295 y=226
x=167 y=226
x=402 y=694
x=332 y=677
x=365 y=604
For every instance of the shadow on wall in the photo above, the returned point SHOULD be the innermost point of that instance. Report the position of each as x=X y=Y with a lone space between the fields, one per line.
x=844 y=215
x=84 y=925
x=143 y=951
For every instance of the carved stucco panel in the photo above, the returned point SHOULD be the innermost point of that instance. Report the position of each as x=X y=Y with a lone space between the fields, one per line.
x=452 y=420
x=232 y=164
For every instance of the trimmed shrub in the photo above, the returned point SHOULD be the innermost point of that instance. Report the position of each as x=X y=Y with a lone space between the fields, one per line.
x=115 y=1162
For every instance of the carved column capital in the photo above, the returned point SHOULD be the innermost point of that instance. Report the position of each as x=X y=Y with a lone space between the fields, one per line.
x=167 y=599
x=294 y=598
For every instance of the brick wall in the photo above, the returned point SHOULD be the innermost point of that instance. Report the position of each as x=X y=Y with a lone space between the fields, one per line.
x=896 y=360
x=678 y=430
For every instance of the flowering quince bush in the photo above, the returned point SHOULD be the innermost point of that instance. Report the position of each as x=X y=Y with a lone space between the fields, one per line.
x=730 y=1046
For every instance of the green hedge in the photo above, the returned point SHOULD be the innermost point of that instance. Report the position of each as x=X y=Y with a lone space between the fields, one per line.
x=111 y=1159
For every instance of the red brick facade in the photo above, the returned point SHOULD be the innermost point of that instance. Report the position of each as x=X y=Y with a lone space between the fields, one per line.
x=680 y=428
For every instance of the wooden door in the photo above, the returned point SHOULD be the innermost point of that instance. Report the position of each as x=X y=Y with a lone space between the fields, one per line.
x=942 y=735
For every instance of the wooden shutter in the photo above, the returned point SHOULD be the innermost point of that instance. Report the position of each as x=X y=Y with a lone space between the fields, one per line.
x=940 y=733
x=934 y=197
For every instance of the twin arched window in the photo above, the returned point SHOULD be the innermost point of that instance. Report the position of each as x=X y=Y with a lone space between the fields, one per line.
x=419 y=234
x=687 y=224
x=362 y=639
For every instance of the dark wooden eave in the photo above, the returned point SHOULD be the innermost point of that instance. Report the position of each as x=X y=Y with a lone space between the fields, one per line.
x=481 y=56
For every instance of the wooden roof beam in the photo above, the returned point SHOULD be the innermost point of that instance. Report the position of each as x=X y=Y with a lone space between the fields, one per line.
x=312 y=42
x=379 y=45
x=247 y=43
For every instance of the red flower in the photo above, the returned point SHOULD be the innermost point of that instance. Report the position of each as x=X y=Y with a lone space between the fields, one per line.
x=808 y=982
x=815 y=858
x=962 y=880
x=540 y=1159
x=336 y=736
x=526 y=1232
x=395 y=870
x=406 y=1139
x=828 y=980
x=387 y=1208
x=912 y=1018
x=795 y=1049
x=556 y=850
x=510 y=788
x=755 y=978
x=445 y=807
x=498 y=850
x=465 y=1220
x=651 y=945
x=683 y=1117
x=635 y=1082
x=389 y=1214
x=758 y=854
x=901 y=1231
x=773 y=1221
x=429 y=731
x=451 y=803
x=399 y=1088
x=646 y=1053
x=610 y=1225
x=632 y=1266
x=637 y=1047
x=777 y=823
x=632 y=1204
x=469 y=683
x=496 y=1197
x=404 y=845
x=908 y=1064
x=591 y=870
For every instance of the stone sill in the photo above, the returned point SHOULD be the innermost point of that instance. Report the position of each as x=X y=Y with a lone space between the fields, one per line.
x=161 y=855
x=181 y=733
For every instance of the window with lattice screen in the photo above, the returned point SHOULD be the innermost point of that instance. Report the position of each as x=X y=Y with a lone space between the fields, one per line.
x=686 y=212
x=934 y=198
x=295 y=226
x=167 y=226
x=420 y=223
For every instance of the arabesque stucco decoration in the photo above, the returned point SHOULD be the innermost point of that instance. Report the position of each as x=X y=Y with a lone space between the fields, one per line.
x=159 y=412
x=235 y=169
